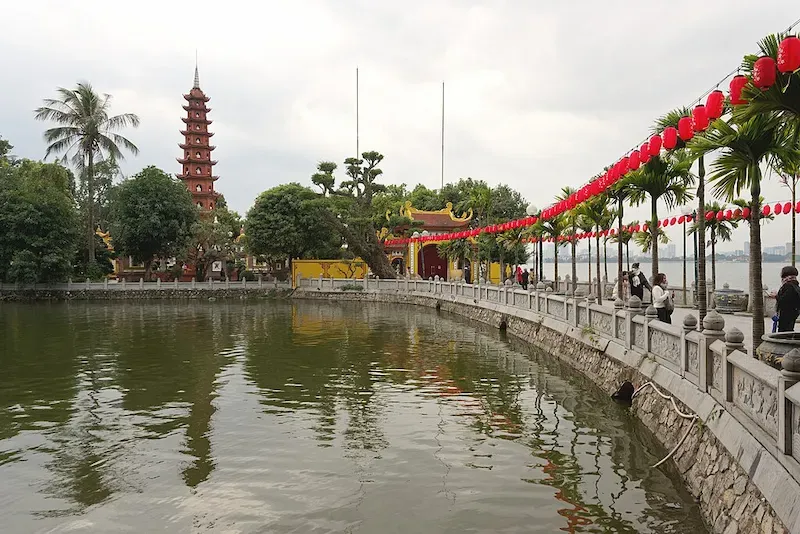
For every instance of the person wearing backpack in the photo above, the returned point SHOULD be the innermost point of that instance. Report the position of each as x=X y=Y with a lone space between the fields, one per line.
x=787 y=301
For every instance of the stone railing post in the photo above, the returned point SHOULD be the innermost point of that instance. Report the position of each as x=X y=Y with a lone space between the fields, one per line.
x=260 y=281
x=124 y=282
x=88 y=283
x=539 y=289
x=69 y=284
x=194 y=283
x=790 y=375
x=244 y=282
x=211 y=282
x=366 y=281
x=319 y=282
x=175 y=281
x=634 y=309
x=141 y=283
x=227 y=282
x=734 y=340
x=406 y=284
x=713 y=325
x=618 y=306
x=650 y=314
x=298 y=279
x=158 y=282
x=105 y=283
x=689 y=325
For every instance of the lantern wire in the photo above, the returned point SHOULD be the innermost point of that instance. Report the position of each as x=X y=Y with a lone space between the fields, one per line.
x=705 y=94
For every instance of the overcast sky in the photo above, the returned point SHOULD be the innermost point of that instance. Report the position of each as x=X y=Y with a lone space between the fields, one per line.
x=539 y=95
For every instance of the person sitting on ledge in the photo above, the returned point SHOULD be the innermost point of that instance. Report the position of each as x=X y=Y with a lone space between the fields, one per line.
x=787 y=301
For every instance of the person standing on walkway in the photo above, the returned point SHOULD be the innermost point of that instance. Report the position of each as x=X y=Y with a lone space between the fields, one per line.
x=525 y=276
x=638 y=282
x=662 y=300
x=787 y=301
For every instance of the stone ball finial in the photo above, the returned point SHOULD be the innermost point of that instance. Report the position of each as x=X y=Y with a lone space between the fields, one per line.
x=726 y=285
x=791 y=361
x=540 y=286
x=690 y=322
x=651 y=311
x=734 y=336
x=713 y=321
x=619 y=304
x=549 y=289
x=635 y=302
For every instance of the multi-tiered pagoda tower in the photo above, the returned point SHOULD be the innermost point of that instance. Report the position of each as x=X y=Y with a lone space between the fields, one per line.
x=196 y=160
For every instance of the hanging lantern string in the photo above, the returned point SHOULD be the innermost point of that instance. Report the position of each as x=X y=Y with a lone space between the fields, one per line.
x=700 y=98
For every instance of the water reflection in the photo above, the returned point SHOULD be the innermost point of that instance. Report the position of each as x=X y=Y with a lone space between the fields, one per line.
x=307 y=417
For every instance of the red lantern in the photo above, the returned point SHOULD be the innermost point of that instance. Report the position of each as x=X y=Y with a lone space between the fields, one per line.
x=699 y=118
x=715 y=104
x=778 y=208
x=728 y=214
x=681 y=219
x=787 y=207
x=720 y=215
x=766 y=210
x=797 y=207
x=737 y=84
x=709 y=215
x=670 y=137
x=633 y=160
x=685 y=128
x=665 y=223
x=764 y=73
x=644 y=150
x=746 y=213
x=673 y=221
x=737 y=213
x=625 y=164
x=655 y=145
x=789 y=55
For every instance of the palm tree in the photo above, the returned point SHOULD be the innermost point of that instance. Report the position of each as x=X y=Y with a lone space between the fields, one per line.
x=595 y=211
x=555 y=227
x=666 y=178
x=644 y=239
x=788 y=176
x=619 y=194
x=744 y=147
x=512 y=245
x=719 y=230
x=624 y=237
x=87 y=136
x=572 y=220
x=586 y=226
x=671 y=119
x=456 y=250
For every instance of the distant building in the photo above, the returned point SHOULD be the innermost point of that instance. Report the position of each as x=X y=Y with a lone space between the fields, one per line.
x=747 y=248
x=779 y=250
x=670 y=251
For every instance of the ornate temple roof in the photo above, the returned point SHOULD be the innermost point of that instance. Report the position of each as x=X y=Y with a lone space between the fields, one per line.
x=443 y=219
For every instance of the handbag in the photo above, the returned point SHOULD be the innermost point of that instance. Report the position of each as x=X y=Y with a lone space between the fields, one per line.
x=670 y=306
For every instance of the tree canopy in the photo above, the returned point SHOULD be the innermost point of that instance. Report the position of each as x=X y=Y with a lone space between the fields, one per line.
x=38 y=222
x=285 y=221
x=152 y=216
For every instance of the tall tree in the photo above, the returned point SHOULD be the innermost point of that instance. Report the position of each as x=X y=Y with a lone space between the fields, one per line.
x=555 y=227
x=663 y=178
x=87 y=135
x=38 y=222
x=350 y=211
x=152 y=217
x=287 y=222
x=718 y=230
x=573 y=215
x=595 y=210
x=788 y=175
x=743 y=148
x=619 y=193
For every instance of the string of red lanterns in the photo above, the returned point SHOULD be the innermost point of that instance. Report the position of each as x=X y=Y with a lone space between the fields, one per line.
x=728 y=214
x=764 y=76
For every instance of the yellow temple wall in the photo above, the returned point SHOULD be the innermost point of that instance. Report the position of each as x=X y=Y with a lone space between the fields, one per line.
x=355 y=269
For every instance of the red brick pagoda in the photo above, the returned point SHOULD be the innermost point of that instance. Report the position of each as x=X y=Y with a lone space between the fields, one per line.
x=196 y=160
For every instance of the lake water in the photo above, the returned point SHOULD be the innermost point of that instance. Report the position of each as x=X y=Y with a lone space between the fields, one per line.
x=306 y=417
x=734 y=273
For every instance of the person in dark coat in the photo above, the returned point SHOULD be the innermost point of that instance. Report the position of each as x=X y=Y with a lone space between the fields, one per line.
x=525 y=276
x=787 y=301
x=637 y=282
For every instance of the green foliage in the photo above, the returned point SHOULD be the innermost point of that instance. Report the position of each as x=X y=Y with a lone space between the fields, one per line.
x=38 y=223
x=152 y=216
x=718 y=230
x=5 y=150
x=214 y=238
x=288 y=221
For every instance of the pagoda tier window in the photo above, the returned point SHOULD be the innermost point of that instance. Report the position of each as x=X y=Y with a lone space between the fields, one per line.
x=199 y=204
x=197 y=140
x=198 y=170
x=186 y=170
x=196 y=126
x=199 y=188
x=197 y=155
x=196 y=113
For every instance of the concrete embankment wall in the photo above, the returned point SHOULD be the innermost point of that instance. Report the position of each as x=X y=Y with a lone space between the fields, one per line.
x=132 y=293
x=743 y=482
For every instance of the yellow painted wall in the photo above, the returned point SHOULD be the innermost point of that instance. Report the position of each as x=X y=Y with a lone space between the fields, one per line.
x=329 y=269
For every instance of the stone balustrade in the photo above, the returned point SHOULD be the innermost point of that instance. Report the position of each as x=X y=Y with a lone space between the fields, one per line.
x=707 y=369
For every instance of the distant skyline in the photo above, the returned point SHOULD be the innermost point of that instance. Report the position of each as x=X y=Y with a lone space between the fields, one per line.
x=538 y=96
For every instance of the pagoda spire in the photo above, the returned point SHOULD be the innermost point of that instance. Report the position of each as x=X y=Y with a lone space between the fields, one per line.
x=196 y=73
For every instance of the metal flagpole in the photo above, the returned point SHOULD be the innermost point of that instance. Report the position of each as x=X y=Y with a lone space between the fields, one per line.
x=358 y=155
x=442 y=134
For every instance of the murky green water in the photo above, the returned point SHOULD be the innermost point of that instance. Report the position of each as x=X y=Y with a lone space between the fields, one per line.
x=276 y=417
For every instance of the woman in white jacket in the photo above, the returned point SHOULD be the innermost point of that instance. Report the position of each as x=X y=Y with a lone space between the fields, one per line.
x=662 y=301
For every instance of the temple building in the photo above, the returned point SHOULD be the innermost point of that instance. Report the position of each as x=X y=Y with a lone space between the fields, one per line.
x=422 y=259
x=196 y=161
